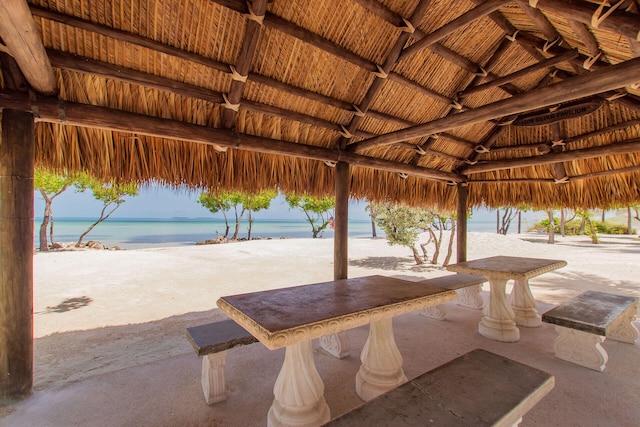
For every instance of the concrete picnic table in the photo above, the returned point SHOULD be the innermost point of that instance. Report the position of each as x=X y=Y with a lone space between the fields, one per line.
x=292 y=317
x=500 y=315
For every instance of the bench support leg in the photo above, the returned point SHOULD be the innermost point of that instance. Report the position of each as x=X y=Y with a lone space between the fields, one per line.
x=438 y=312
x=622 y=329
x=213 y=380
x=470 y=297
x=581 y=348
x=299 y=391
x=497 y=323
x=524 y=305
x=337 y=345
x=381 y=368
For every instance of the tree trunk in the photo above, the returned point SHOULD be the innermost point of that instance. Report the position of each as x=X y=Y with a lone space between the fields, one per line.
x=51 y=239
x=450 y=247
x=416 y=256
x=552 y=228
x=44 y=246
x=497 y=221
x=102 y=218
x=238 y=220
x=436 y=251
x=592 y=232
x=629 y=220
x=373 y=227
x=250 y=219
x=519 y=222
x=562 y=222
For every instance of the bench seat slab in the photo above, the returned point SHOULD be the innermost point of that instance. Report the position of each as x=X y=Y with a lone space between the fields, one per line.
x=468 y=286
x=477 y=389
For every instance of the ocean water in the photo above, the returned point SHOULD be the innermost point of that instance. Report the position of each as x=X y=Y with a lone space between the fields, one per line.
x=137 y=233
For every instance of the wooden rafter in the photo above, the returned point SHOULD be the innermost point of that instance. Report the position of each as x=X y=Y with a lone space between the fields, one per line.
x=466 y=18
x=610 y=78
x=385 y=69
x=76 y=114
x=257 y=10
x=20 y=35
x=630 y=146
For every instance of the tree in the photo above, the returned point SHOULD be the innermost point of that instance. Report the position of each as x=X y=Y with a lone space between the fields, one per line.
x=219 y=201
x=50 y=185
x=256 y=202
x=111 y=194
x=504 y=222
x=318 y=210
x=591 y=231
x=402 y=225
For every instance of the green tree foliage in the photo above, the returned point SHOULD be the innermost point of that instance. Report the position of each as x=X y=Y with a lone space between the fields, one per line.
x=401 y=224
x=111 y=194
x=318 y=210
x=240 y=202
x=257 y=202
x=50 y=185
x=215 y=202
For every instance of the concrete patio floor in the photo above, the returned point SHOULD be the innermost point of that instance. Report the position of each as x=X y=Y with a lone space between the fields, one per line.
x=167 y=392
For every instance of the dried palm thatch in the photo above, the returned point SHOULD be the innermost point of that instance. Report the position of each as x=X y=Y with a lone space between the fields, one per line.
x=234 y=94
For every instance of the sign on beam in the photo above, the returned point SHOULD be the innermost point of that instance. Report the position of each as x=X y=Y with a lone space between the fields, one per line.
x=564 y=113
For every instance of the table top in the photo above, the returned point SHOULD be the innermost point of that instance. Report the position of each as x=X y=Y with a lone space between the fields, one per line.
x=508 y=267
x=281 y=317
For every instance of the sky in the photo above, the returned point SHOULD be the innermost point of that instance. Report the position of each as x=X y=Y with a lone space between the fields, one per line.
x=161 y=202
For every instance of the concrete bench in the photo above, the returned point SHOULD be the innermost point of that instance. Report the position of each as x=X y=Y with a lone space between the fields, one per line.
x=479 y=388
x=212 y=341
x=584 y=322
x=470 y=286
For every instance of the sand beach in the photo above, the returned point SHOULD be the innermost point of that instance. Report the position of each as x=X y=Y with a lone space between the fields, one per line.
x=100 y=315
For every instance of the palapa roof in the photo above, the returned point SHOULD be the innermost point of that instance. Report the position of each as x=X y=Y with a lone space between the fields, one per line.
x=531 y=102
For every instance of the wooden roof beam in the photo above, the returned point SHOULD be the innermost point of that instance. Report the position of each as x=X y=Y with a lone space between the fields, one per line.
x=626 y=147
x=466 y=18
x=20 y=35
x=605 y=79
x=83 y=115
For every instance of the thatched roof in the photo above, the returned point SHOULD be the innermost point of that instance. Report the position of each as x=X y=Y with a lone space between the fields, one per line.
x=212 y=93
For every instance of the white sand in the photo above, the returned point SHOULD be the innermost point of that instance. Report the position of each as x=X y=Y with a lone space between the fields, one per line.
x=120 y=356
x=179 y=287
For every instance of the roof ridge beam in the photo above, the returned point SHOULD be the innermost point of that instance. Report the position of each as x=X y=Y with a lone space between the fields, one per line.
x=21 y=37
x=605 y=79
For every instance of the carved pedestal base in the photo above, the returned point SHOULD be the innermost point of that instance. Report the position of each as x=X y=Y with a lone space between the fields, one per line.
x=213 y=377
x=622 y=329
x=581 y=348
x=299 y=391
x=337 y=345
x=496 y=323
x=470 y=297
x=524 y=305
x=438 y=312
x=381 y=368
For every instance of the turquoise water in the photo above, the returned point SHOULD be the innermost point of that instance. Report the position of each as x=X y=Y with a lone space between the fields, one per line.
x=136 y=233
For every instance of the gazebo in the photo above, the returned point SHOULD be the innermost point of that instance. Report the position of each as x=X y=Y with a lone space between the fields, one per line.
x=426 y=102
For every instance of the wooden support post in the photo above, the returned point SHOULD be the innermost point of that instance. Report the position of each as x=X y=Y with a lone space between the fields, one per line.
x=461 y=237
x=16 y=255
x=341 y=223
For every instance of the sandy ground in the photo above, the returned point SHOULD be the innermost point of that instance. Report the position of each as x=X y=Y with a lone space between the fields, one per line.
x=100 y=314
